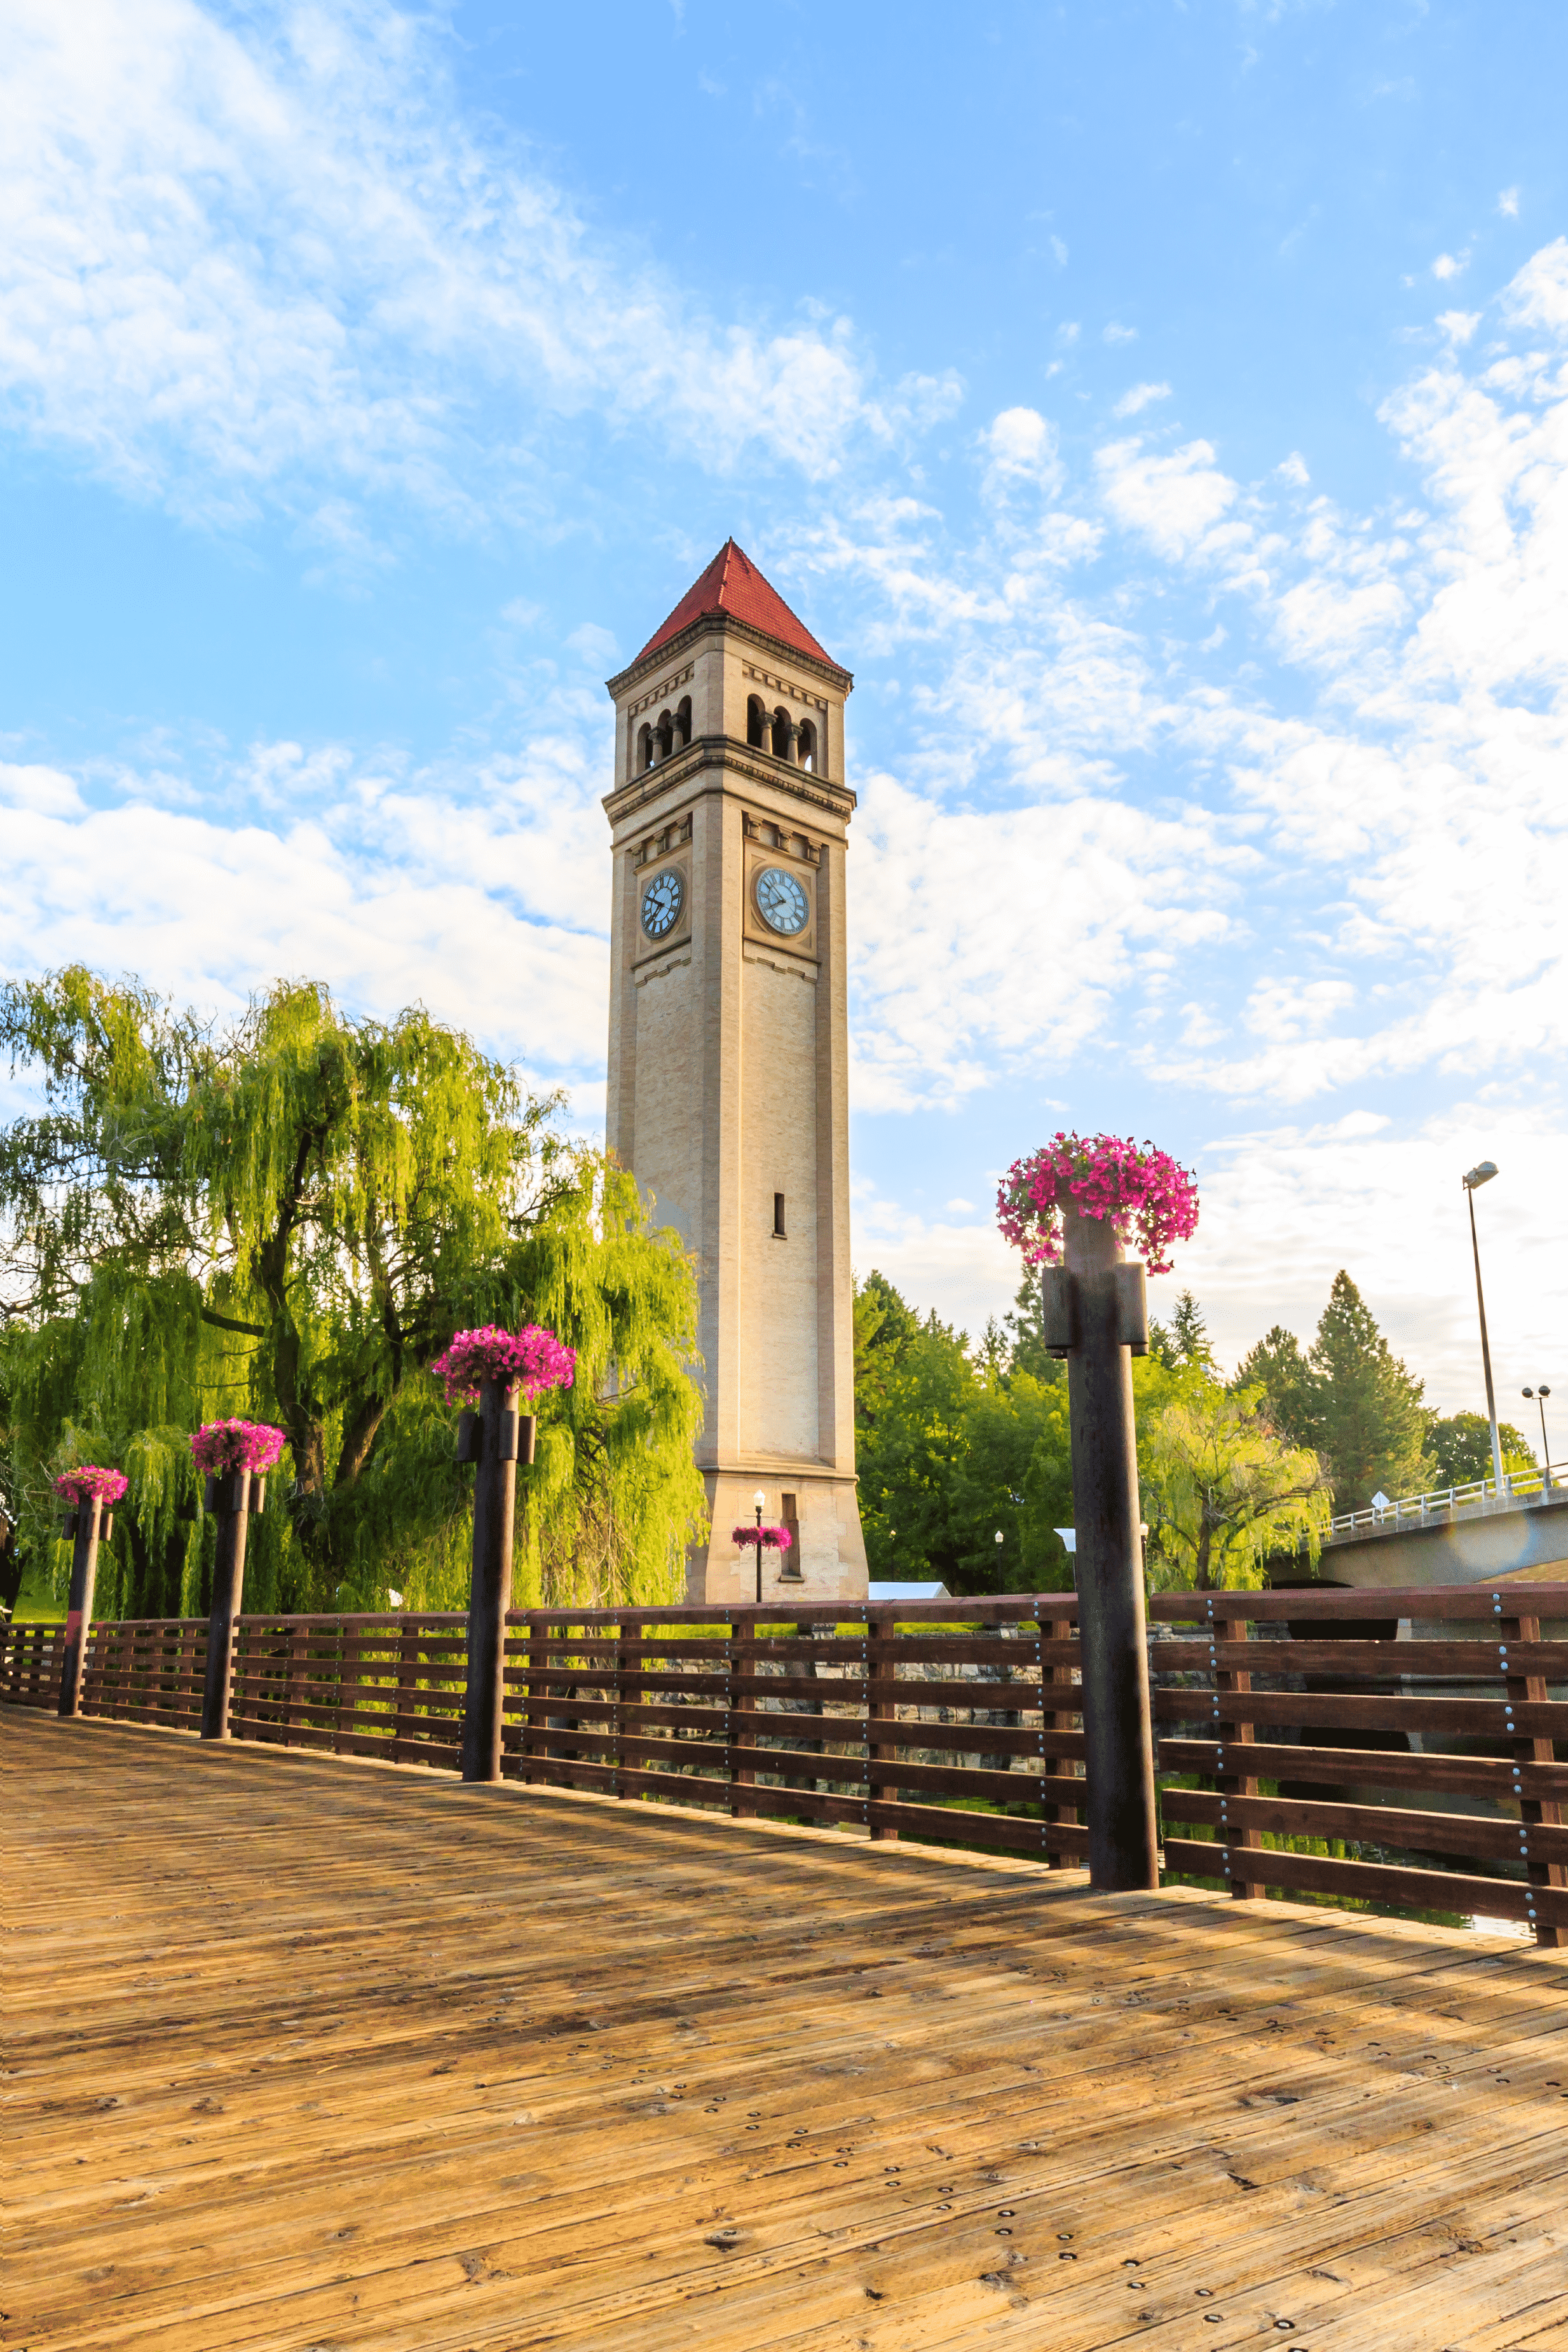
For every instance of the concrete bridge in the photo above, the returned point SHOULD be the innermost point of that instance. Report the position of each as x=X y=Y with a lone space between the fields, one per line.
x=1455 y=1534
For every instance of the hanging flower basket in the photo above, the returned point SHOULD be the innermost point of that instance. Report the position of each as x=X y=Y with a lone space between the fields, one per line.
x=79 y=1485
x=770 y=1539
x=1150 y=1201
x=532 y=1359
x=220 y=1445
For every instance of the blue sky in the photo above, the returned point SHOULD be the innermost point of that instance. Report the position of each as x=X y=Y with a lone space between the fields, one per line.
x=1161 y=408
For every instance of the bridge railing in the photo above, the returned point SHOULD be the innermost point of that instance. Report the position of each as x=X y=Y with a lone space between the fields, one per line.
x=1313 y=1746
x=1307 y=1747
x=955 y=1720
x=1443 y=1505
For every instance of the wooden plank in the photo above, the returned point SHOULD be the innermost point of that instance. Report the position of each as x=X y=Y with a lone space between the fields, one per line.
x=1461 y=1718
x=1433 y=1890
x=1429 y=1603
x=1478 y=1660
x=1373 y=1768
x=1427 y=1832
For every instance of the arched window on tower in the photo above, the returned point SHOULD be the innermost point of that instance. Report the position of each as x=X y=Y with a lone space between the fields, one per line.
x=806 y=750
x=759 y=726
x=644 y=747
x=783 y=733
x=665 y=734
x=684 y=722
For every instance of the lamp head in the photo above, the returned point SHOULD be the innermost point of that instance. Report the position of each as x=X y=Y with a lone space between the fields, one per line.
x=759 y=1498
x=1543 y=1389
x=1481 y=1174
x=999 y=1535
x=1527 y=1393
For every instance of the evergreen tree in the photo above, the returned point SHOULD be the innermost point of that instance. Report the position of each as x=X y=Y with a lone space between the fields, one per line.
x=1278 y=1366
x=1187 y=1339
x=1369 y=1417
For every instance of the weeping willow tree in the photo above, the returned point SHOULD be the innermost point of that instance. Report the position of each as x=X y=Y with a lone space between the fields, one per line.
x=288 y=1218
x=1221 y=1492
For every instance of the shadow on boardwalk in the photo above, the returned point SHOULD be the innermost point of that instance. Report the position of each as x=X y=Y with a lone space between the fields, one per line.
x=302 y=2054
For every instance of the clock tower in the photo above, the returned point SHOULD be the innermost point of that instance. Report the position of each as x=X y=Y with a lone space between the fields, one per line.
x=728 y=1092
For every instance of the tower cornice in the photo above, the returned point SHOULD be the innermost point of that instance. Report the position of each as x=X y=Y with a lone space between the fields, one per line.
x=672 y=651
x=745 y=763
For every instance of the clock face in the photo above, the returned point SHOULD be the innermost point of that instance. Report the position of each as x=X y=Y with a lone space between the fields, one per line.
x=662 y=902
x=781 y=902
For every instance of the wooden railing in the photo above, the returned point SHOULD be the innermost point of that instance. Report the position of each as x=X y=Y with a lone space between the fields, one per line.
x=1401 y=1727
x=949 y=1720
x=1406 y=1759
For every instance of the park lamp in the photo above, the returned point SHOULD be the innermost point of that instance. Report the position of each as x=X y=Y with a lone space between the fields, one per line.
x=1473 y=1179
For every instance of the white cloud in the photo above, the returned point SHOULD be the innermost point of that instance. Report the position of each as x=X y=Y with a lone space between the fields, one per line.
x=1173 y=501
x=1140 y=397
x=1450 y=265
x=1060 y=250
x=479 y=893
x=40 y=792
x=1538 y=296
x=240 y=256
x=1294 y=470
x=1508 y=204
x=1117 y=334
x=1021 y=447
x=1458 y=326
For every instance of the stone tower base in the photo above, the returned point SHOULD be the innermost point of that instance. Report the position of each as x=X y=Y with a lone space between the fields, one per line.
x=828 y=1552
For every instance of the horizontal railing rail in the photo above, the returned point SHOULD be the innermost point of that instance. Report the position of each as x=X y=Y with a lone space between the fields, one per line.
x=1348 y=1743
x=1443 y=1505
x=955 y=1720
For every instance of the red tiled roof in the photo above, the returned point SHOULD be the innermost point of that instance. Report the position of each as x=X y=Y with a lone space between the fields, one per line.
x=732 y=583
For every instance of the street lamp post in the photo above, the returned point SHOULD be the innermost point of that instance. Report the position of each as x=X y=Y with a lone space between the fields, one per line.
x=1540 y=1392
x=1473 y=1177
x=759 y=1500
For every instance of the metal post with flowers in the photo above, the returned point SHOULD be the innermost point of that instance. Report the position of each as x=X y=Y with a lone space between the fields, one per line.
x=1080 y=1199
x=766 y=1538
x=495 y=1367
x=234 y=1457
x=89 y=1495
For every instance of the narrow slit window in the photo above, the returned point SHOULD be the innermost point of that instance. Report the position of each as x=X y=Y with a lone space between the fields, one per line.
x=779 y=1217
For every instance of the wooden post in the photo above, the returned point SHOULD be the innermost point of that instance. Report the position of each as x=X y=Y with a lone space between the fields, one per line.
x=882 y=1706
x=228 y=1497
x=1103 y=1297
x=533 y=1704
x=84 y=1523
x=622 y=1633
x=1533 y=1809
x=1233 y=1681
x=490 y=1590
x=1056 y=1681
x=740 y=1715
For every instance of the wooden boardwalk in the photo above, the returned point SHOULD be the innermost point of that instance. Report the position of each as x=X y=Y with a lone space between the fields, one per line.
x=311 y=2057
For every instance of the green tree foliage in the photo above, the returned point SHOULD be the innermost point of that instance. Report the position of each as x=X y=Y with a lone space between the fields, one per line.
x=1221 y=1492
x=954 y=1445
x=287 y=1218
x=1187 y=1339
x=1279 y=1367
x=1349 y=1398
x=1460 y=1446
